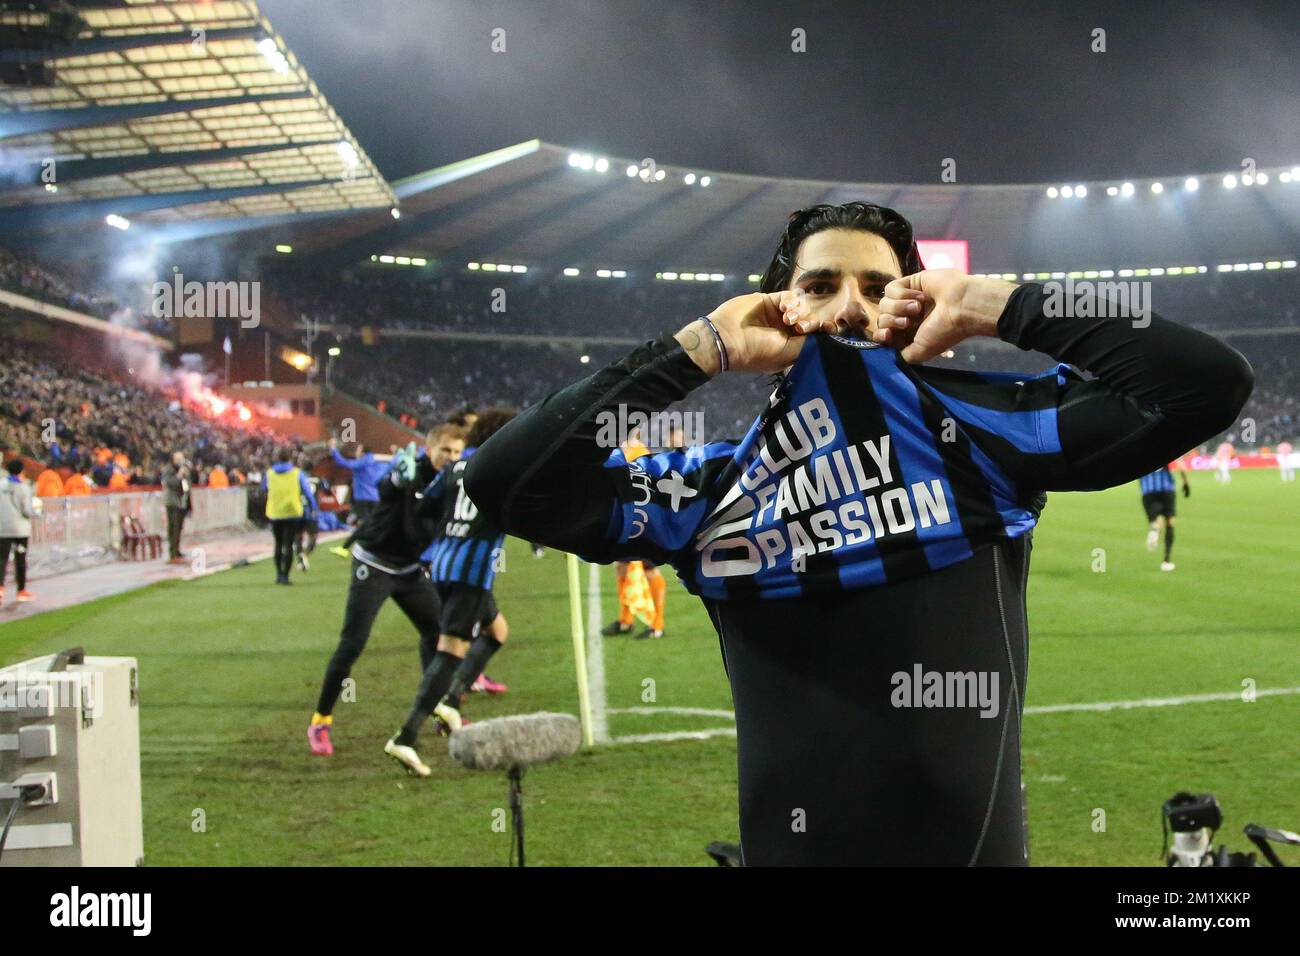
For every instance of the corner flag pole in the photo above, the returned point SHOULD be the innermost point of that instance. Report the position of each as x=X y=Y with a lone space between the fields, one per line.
x=579 y=651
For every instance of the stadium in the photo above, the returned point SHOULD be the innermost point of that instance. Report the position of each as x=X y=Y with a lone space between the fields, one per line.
x=225 y=278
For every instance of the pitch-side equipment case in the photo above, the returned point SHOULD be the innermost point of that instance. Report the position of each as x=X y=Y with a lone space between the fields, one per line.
x=72 y=724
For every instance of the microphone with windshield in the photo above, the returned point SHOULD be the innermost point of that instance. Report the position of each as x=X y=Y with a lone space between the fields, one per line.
x=512 y=744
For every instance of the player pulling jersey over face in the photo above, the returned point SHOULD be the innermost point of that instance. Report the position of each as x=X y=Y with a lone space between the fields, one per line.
x=877 y=540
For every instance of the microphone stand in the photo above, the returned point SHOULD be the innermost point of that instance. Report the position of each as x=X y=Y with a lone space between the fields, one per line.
x=516 y=777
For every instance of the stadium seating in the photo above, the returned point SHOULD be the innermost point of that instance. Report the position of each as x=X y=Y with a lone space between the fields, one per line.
x=93 y=409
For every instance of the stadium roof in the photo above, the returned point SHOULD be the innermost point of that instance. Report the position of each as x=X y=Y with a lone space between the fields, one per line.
x=543 y=205
x=193 y=119
x=168 y=112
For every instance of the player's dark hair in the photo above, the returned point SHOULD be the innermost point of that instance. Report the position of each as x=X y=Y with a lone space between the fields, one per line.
x=14 y=466
x=284 y=454
x=459 y=417
x=868 y=217
x=489 y=421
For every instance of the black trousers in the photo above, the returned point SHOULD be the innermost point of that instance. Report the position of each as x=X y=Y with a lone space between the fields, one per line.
x=361 y=510
x=842 y=761
x=285 y=532
x=414 y=593
x=175 y=520
x=307 y=531
x=19 y=547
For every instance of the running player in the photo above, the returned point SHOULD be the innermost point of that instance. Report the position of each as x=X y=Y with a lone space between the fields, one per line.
x=305 y=543
x=1223 y=462
x=386 y=563
x=448 y=448
x=869 y=535
x=464 y=562
x=1159 y=500
x=1285 y=460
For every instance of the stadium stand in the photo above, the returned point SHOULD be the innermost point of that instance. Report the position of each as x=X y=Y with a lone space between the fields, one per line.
x=395 y=300
x=109 y=423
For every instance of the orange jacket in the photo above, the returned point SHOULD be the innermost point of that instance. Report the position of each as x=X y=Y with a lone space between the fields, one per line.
x=76 y=485
x=49 y=484
x=118 y=480
x=218 y=479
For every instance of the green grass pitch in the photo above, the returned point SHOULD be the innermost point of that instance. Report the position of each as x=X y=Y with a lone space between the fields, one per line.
x=230 y=665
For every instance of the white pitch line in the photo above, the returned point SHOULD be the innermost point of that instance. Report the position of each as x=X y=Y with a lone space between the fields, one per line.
x=1100 y=706
x=678 y=735
x=690 y=711
x=1158 y=701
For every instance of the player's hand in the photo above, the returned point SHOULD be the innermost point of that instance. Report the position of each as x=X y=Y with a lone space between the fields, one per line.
x=928 y=312
x=404 y=462
x=332 y=443
x=755 y=330
x=1187 y=490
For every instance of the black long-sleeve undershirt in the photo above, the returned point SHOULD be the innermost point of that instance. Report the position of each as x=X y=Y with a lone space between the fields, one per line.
x=1158 y=390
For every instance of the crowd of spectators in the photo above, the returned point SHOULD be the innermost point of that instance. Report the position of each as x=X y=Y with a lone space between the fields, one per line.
x=64 y=286
x=402 y=298
x=420 y=379
x=24 y=274
x=427 y=380
x=110 y=429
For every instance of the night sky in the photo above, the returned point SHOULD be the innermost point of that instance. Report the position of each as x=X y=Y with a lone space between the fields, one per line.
x=885 y=91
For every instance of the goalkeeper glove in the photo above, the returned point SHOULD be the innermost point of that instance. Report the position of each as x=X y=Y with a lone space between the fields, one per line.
x=404 y=462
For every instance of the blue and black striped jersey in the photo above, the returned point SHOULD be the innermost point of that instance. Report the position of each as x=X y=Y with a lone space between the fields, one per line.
x=1160 y=480
x=468 y=549
x=863 y=470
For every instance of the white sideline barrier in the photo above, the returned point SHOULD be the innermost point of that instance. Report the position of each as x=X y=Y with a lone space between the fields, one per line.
x=94 y=521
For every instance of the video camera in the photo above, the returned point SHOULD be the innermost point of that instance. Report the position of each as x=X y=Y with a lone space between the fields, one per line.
x=1195 y=818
